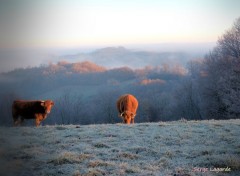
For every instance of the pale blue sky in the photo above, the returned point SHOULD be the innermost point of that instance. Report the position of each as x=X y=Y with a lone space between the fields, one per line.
x=72 y=23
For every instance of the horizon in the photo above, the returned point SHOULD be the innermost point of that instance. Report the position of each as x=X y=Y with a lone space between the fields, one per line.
x=35 y=32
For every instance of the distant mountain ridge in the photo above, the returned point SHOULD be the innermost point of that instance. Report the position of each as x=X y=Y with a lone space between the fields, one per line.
x=113 y=57
x=135 y=56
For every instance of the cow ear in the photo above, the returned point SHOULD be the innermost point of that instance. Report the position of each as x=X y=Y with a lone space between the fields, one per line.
x=42 y=103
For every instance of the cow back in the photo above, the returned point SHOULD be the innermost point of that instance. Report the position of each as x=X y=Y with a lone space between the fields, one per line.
x=27 y=109
x=127 y=103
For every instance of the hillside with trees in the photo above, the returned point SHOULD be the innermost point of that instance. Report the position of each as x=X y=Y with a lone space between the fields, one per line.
x=217 y=77
x=113 y=57
x=86 y=92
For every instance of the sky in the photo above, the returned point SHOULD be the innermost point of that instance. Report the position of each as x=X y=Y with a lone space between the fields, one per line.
x=74 y=23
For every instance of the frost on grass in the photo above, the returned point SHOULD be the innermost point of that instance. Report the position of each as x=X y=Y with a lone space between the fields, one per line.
x=164 y=148
x=69 y=158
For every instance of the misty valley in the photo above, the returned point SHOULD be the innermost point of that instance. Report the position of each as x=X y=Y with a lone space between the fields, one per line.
x=168 y=86
x=86 y=93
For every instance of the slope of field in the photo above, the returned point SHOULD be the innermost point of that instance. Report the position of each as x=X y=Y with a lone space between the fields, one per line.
x=165 y=148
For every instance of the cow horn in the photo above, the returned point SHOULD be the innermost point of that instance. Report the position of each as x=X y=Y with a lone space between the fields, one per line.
x=121 y=114
x=42 y=103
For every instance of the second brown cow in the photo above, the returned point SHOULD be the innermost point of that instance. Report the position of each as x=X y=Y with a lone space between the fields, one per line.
x=127 y=107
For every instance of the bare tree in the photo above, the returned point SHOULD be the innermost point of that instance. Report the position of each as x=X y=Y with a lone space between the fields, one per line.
x=69 y=108
x=107 y=102
x=222 y=65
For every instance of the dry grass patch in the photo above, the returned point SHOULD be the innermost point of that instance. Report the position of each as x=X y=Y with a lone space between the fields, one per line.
x=163 y=162
x=95 y=172
x=127 y=156
x=133 y=170
x=99 y=163
x=69 y=158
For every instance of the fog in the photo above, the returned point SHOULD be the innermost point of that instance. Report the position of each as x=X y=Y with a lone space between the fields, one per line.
x=11 y=59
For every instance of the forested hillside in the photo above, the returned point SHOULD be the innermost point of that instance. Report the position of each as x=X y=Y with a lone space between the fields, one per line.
x=86 y=93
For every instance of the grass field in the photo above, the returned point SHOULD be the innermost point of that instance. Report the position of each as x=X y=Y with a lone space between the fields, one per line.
x=179 y=148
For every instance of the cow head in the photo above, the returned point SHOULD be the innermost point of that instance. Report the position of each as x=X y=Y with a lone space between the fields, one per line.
x=127 y=117
x=47 y=105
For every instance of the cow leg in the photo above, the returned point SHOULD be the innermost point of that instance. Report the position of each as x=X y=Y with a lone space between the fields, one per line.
x=44 y=117
x=21 y=121
x=132 y=120
x=37 y=122
x=16 y=121
x=15 y=117
x=38 y=119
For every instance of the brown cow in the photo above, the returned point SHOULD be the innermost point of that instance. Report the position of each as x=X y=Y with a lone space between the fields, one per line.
x=127 y=107
x=37 y=110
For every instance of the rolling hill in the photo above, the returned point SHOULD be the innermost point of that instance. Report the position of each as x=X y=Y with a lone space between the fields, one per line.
x=112 y=57
x=180 y=148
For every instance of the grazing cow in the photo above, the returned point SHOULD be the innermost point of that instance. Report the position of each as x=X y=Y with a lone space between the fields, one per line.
x=127 y=107
x=37 y=110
